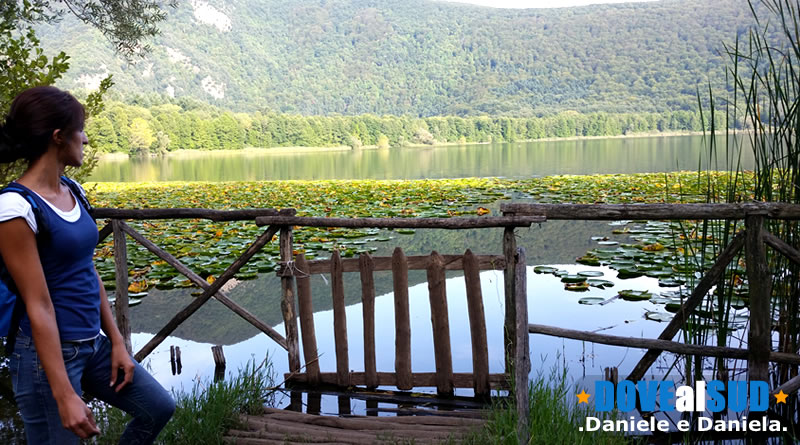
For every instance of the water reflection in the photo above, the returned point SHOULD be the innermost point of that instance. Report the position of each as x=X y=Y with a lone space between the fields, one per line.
x=548 y=303
x=514 y=160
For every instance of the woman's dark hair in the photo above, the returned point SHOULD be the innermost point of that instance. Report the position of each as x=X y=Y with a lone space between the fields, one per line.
x=34 y=115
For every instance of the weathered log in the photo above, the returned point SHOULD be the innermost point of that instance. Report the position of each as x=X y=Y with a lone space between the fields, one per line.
x=366 y=424
x=219 y=362
x=698 y=294
x=339 y=321
x=477 y=325
x=402 y=223
x=368 y=309
x=509 y=326
x=441 y=325
x=306 y=307
x=659 y=344
x=438 y=418
x=287 y=301
x=104 y=233
x=213 y=215
x=192 y=307
x=418 y=379
x=759 y=342
x=420 y=262
x=522 y=359
x=402 y=320
x=121 y=308
x=781 y=246
x=221 y=296
x=654 y=211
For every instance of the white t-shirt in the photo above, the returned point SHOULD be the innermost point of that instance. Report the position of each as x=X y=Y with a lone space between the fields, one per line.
x=13 y=205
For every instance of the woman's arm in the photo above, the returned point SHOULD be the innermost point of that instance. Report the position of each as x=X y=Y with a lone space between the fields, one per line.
x=21 y=257
x=119 y=354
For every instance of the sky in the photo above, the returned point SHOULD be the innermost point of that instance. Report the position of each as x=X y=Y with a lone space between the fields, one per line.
x=538 y=3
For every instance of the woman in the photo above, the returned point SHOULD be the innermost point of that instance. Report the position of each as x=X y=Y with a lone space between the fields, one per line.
x=59 y=351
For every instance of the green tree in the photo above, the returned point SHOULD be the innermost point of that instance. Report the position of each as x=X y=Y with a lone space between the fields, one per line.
x=141 y=137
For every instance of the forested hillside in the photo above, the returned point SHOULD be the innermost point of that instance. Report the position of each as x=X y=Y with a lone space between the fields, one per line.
x=418 y=57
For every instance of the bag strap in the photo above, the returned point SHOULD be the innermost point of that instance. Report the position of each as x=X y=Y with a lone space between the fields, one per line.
x=42 y=233
x=80 y=194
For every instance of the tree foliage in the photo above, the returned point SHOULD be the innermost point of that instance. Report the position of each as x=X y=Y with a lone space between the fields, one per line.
x=425 y=58
x=140 y=130
x=24 y=64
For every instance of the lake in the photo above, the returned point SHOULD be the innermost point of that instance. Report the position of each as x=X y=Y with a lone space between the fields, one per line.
x=510 y=160
x=556 y=243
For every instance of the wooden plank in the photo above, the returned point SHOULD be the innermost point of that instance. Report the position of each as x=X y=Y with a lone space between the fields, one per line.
x=698 y=294
x=402 y=320
x=360 y=423
x=368 y=309
x=221 y=296
x=121 y=308
x=403 y=223
x=440 y=322
x=451 y=262
x=654 y=211
x=287 y=301
x=759 y=342
x=339 y=321
x=219 y=362
x=104 y=233
x=522 y=359
x=509 y=325
x=307 y=327
x=213 y=215
x=418 y=379
x=781 y=246
x=662 y=345
x=477 y=325
x=192 y=307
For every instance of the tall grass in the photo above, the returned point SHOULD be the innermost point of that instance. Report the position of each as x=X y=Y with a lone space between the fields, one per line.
x=760 y=106
x=205 y=412
x=554 y=417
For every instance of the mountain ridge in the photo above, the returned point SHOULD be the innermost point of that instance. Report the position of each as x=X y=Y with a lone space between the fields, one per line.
x=419 y=57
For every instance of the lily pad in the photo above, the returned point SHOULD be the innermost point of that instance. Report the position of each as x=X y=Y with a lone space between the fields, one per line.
x=635 y=295
x=544 y=269
x=625 y=273
x=573 y=279
x=591 y=273
x=658 y=316
x=591 y=300
x=576 y=287
x=602 y=284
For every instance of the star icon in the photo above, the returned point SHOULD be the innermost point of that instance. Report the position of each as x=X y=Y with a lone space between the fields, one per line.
x=583 y=397
x=780 y=397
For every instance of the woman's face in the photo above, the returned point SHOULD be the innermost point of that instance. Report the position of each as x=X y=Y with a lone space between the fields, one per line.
x=72 y=150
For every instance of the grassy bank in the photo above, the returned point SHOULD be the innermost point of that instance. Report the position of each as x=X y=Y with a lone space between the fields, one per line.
x=554 y=417
x=205 y=412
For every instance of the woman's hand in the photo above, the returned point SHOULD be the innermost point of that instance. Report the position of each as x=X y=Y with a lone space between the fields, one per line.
x=77 y=417
x=120 y=359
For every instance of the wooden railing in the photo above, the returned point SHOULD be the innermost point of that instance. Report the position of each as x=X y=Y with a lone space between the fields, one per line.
x=296 y=269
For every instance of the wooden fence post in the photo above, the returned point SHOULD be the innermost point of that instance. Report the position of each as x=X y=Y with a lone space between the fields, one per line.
x=121 y=309
x=522 y=359
x=509 y=329
x=402 y=321
x=287 y=302
x=759 y=342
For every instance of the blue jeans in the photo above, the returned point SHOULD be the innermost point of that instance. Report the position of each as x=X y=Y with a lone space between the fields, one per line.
x=88 y=366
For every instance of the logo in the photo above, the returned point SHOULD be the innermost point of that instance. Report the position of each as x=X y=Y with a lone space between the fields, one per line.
x=664 y=396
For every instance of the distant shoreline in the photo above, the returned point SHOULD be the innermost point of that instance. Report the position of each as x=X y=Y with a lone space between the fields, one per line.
x=306 y=150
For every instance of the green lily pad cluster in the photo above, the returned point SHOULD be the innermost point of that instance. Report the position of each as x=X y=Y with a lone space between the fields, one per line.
x=208 y=247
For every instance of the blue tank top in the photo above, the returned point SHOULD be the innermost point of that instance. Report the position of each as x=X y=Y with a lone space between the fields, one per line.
x=67 y=262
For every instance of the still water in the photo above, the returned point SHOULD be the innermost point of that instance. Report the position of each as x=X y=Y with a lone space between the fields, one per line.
x=511 y=160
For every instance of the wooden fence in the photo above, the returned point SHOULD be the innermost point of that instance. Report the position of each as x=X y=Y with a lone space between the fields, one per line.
x=295 y=269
